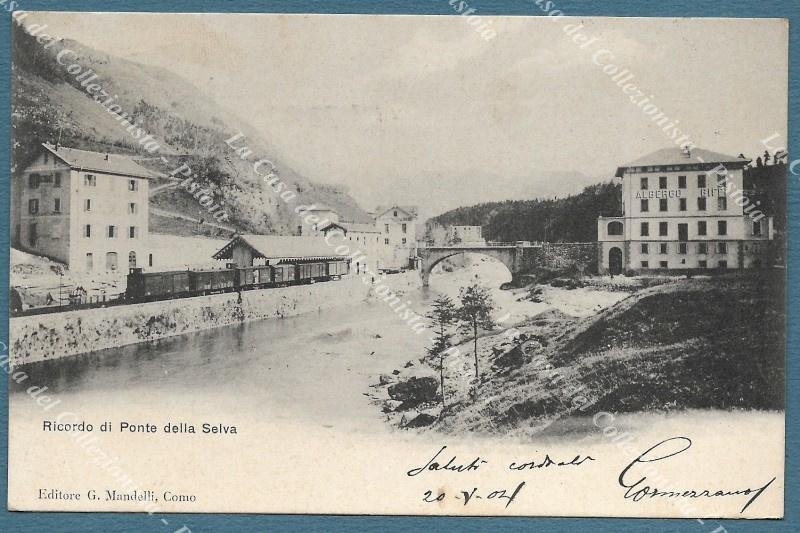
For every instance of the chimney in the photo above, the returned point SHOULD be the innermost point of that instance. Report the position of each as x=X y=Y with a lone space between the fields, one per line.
x=687 y=152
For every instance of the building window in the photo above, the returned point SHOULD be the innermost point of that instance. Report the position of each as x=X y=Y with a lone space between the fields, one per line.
x=111 y=261
x=149 y=259
x=405 y=227
x=682 y=204
x=645 y=206
x=645 y=248
x=701 y=181
x=662 y=204
x=643 y=184
x=663 y=264
x=702 y=248
x=722 y=227
x=132 y=259
x=90 y=180
x=112 y=232
x=662 y=248
x=33 y=206
x=57 y=179
x=133 y=232
x=133 y=185
x=723 y=264
x=87 y=204
x=89 y=262
x=385 y=241
x=681 y=182
x=87 y=230
x=682 y=248
x=722 y=247
x=721 y=179
x=645 y=229
x=131 y=208
x=722 y=203
x=645 y=264
x=46 y=158
x=757 y=228
x=701 y=204
x=404 y=240
x=702 y=227
x=33 y=234
x=386 y=229
x=395 y=214
x=662 y=182
x=33 y=181
x=56 y=205
x=662 y=229
x=615 y=228
x=703 y=263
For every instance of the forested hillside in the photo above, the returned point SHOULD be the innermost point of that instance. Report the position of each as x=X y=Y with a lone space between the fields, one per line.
x=570 y=219
x=49 y=104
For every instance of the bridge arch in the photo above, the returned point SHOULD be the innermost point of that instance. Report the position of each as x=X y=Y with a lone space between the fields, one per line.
x=432 y=257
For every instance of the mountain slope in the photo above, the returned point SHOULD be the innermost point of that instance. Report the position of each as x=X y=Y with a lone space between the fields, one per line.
x=49 y=104
x=570 y=219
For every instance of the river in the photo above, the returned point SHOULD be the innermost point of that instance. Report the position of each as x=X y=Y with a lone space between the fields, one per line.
x=314 y=368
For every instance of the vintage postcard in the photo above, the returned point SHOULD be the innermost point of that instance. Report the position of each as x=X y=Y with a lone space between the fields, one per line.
x=420 y=265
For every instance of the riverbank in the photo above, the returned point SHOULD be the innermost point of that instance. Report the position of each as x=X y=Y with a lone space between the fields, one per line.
x=53 y=336
x=686 y=344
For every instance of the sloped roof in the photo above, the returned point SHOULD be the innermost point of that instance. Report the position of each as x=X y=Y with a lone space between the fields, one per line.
x=99 y=162
x=408 y=209
x=360 y=228
x=675 y=155
x=280 y=247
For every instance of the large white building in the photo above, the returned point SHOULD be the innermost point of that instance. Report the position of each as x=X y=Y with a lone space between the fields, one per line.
x=398 y=225
x=683 y=210
x=88 y=210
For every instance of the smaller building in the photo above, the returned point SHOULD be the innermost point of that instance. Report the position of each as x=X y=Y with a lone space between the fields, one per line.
x=364 y=238
x=255 y=250
x=465 y=235
x=398 y=227
x=316 y=217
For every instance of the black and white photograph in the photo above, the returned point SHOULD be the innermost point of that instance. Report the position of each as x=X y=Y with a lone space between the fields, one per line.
x=398 y=265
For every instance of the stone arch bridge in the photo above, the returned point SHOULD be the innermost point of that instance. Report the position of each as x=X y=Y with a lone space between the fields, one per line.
x=519 y=257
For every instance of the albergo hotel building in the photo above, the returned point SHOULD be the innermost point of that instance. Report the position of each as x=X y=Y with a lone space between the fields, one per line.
x=683 y=210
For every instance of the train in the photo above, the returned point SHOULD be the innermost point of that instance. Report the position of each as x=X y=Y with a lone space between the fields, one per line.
x=150 y=286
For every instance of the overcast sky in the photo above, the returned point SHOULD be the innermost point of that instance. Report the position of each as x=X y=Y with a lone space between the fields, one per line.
x=423 y=110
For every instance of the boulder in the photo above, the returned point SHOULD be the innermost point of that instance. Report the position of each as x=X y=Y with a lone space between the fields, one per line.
x=424 y=419
x=391 y=406
x=414 y=391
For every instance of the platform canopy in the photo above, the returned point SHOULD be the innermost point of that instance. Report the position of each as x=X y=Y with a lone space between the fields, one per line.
x=280 y=248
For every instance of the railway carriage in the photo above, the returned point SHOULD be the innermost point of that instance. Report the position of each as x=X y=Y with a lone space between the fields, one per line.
x=337 y=269
x=284 y=274
x=253 y=277
x=157 y=285
x=206 y=281
x=311 y=272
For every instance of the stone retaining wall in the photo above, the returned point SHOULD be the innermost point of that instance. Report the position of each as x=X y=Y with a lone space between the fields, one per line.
x=580 y=256
x=52 y=336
